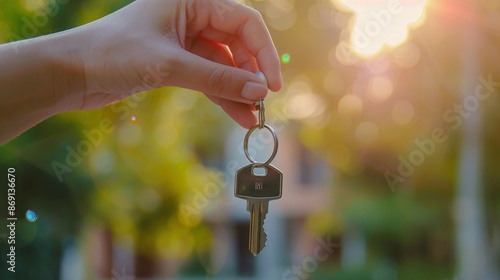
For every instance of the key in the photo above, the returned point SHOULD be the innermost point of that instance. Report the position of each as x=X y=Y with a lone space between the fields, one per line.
x=258 y=190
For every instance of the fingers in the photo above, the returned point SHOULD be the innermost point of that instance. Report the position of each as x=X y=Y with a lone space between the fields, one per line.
x=233 y=18
x=241 y=56
x=239 y=112
x=210 y=50
x=213 y=78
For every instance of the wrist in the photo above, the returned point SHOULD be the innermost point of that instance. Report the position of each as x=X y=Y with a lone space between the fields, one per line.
x=64 y=59
x=40 y=77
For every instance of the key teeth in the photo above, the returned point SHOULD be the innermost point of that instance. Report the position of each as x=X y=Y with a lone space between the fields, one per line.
x=251 y=206
x=263 y=234
x=264 y=239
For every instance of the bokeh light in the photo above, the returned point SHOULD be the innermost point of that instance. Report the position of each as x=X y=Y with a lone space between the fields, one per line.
x=33 y=5
x=166 y=135
x=350 y=104
x=285 y=58
x=301 y=102
x=183 y=100
x=378 y=65
x=282 y=14
x=303 y=105
x=322 y=16
x=407 y=55
x=403 y=112
x=31 y=216
x=102 y=160
x=379 y=88
x=130 y=135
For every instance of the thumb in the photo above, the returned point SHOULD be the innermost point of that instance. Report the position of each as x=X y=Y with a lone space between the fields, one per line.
x=211 y=78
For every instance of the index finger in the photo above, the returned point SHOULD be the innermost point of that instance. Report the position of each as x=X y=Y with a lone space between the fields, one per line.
x=235 y=18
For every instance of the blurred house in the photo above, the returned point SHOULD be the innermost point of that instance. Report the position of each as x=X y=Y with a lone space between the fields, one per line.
x=307 y=190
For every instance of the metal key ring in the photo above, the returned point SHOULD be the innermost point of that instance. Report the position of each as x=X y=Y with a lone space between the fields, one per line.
x=262 y=113
x=275 y=149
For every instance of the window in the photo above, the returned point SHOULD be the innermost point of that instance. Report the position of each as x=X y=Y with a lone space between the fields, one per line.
x=313 y=170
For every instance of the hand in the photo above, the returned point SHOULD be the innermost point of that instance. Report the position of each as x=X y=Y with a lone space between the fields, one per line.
x=212 y=46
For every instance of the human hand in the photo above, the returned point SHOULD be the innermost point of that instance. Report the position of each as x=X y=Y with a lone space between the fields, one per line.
x=210 y=46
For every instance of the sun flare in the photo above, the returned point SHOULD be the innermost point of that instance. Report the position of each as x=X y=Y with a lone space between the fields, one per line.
x=377 y=24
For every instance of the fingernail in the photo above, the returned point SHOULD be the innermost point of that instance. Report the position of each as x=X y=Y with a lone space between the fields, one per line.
x=254 y=91
x=261 y=76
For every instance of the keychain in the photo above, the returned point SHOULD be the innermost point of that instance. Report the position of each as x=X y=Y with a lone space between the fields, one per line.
x=258 y=190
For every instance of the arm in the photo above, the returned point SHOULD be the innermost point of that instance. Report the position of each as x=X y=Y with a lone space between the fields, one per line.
x=38 y=79
x=196 y=44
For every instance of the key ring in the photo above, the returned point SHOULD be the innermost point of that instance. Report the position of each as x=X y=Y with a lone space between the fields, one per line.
x=262 y=112
x=275 y=148
x=262 y=119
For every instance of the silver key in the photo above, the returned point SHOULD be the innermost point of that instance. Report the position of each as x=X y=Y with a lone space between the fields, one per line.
x=258 y=190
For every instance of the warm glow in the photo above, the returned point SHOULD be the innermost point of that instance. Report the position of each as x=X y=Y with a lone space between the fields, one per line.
x=403 y=112
x=350 y=104
x=367 y=133
x=380 y=88
x=303 y=105
x=381 y=23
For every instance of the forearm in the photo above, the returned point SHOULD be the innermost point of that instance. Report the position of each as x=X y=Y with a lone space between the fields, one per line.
x=147 y=44
x=39 y=78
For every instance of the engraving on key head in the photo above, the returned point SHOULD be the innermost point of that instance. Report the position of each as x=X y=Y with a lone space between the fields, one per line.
x=250 y=186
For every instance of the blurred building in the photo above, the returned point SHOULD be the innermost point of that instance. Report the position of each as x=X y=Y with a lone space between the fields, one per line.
x=307 y=190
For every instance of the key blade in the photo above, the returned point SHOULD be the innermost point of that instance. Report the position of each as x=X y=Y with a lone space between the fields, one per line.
x=258 y=237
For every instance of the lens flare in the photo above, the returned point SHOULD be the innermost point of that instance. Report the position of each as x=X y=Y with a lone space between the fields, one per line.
x=31 y=216
x=285 y=58
x=379 y=24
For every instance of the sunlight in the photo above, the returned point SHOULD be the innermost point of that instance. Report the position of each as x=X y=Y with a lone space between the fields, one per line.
x=381 y=23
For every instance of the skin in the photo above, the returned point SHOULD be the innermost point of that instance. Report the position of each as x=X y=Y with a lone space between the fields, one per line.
x=212 y=46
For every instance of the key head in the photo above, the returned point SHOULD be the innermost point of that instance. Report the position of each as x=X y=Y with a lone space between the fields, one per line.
x=251 y=186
